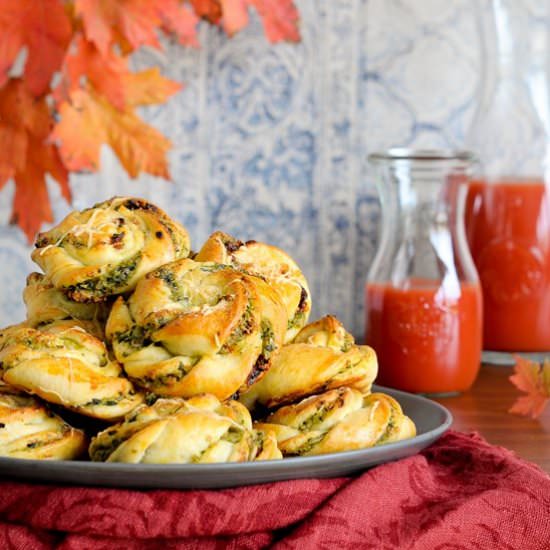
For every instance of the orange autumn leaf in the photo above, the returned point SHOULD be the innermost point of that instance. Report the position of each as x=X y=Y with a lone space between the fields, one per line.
x=88 y=120
x=178 y=19
x=533 y=379
x=280 y=18
x=127 y=23
x=148 y=87
x=27 y=156
x=110 y=76
x=40 y=26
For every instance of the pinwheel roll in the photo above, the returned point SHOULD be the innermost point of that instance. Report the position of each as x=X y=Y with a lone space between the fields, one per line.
x=190 y=328
x=322 y=357
x=197 y=430
x=273 y=265
x=104 y=250
x=337 y=420
x=64 y=364
x=29 y=430
x=45 y=304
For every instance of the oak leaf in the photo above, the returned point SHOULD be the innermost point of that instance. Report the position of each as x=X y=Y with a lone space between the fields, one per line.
x=40 y=26
x=533 y=379
x=26 y=156
x=111 y=77
x=88 y=120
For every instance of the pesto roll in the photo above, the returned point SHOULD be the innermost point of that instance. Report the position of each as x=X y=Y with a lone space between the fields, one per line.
x=190 y=328
x=198 y=430
x=337 y=420
x=28 y=429
x=102 y=251
x=64 y=364
x=272 y=264
x=45 y=304
x=323 y=356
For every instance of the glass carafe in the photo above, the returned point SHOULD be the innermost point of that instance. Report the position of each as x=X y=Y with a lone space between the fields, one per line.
x=508 y=206
x=423 y=298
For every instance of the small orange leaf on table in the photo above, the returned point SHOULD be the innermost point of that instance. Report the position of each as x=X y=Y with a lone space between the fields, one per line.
x=41 y=26
x=88 y=120
x=533 y=379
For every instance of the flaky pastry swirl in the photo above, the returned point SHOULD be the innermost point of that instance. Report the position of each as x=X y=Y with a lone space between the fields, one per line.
x=322 y=357
x=29 y=430
x=191 y=328
x=45 y=304
x=197 y=430
x=337 y=420
x=103 y=251
x=64 y=364
x=273 y=265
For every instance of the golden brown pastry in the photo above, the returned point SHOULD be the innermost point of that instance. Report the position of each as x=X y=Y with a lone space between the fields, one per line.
x=104 y=250
x=198 y=430
x=64 y=364
x=270 y=263
x=322 y=357
x=191 y=328
x=29 y=430
x=337 y=420
x=45 y=304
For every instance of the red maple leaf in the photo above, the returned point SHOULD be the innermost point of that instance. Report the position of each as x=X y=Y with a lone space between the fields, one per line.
x=110 y=76
x=88 y=120
x=533 y=379
x=25 y=124
x=128 y=23
x=180 y=20
x=280 y=18
x=42 y=27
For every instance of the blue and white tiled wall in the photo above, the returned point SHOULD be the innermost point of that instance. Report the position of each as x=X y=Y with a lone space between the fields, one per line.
x=270 y=142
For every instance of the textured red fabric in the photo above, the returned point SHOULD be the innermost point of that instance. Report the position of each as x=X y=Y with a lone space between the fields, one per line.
x=459 y=494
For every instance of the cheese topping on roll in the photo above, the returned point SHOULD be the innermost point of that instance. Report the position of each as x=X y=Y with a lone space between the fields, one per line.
x=103 y=251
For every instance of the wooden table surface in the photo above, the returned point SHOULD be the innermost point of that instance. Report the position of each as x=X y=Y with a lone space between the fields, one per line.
x=484 y=409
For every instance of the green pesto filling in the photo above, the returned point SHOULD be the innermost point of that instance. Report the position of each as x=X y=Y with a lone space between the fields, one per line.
x=297 y=320
x=306 y=447
x=163 y=380
x=390 y=429
x=110 y=281
x=106 y=401
x=268 y=339
x=245 y=327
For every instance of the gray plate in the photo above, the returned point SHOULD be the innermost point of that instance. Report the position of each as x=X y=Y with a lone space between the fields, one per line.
x=431 y=420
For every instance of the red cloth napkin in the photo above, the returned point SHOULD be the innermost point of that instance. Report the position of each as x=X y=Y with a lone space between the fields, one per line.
x=461 y=493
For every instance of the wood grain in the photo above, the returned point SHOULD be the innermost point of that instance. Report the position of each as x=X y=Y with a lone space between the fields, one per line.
x=484 y=409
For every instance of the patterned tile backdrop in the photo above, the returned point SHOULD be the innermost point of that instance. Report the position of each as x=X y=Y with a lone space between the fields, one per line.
x=270 y=142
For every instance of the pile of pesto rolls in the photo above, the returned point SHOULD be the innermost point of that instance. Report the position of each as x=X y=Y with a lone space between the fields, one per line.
x=177 y=356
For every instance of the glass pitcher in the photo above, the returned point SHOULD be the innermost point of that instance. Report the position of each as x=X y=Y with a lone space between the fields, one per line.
x=423 y=298
x=508 y=206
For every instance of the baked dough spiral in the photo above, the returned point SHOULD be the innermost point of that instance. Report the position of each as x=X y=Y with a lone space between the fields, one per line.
x=64 y=364
x=191 y=328
x=337 y=420
x=29 y=430
x=197 y=430
x=103 y=251
x=322 y=357
x=270 y=263
x=45 y=304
